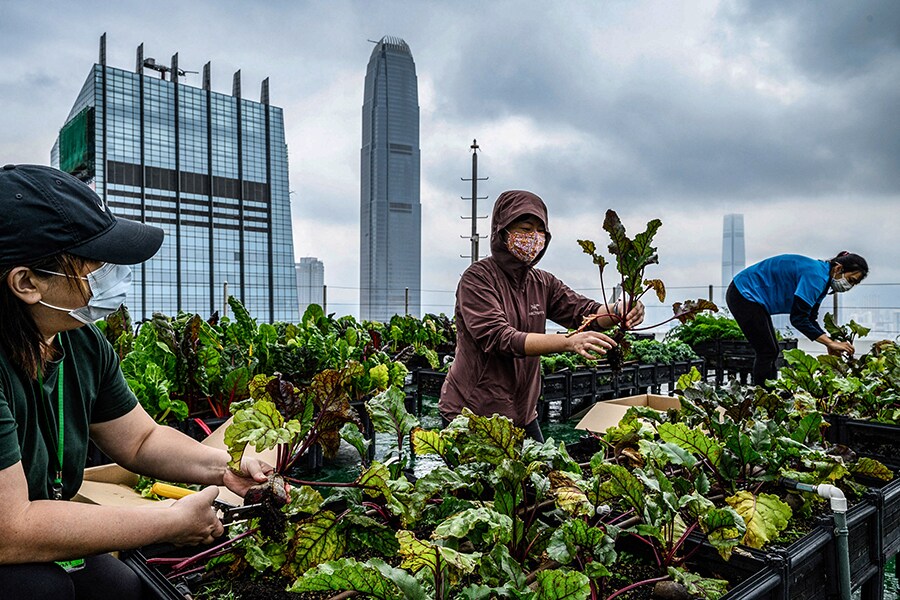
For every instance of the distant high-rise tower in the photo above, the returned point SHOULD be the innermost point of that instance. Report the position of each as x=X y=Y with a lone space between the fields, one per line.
x=390 y=213
x=733 y=258
x=210 y=169
x=310 y=282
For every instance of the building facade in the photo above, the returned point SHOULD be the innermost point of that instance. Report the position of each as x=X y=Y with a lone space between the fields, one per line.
x=310 y=282
x=390 y=211
x=733 y=257
x=209 y=168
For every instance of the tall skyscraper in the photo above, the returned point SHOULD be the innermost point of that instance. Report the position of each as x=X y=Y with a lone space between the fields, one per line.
x=310 y=282
x=390 y=212
x=733 y=259
x=209 y=168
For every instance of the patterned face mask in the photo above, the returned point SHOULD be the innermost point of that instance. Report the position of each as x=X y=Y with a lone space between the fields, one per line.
x=525 y=245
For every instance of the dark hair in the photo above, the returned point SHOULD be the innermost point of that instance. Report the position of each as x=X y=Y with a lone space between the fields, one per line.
x=851 y=262
x=20 y=339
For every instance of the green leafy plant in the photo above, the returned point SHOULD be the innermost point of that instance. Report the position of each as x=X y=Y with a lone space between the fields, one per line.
x=704 y=328
x=633 y=256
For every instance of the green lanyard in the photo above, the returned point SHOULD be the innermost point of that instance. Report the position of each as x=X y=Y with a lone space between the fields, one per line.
x=57 y=481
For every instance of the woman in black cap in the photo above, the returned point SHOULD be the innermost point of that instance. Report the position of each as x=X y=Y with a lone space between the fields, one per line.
x=63 y=260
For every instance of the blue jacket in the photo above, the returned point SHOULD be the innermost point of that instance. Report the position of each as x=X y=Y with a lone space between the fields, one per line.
x=788 y=284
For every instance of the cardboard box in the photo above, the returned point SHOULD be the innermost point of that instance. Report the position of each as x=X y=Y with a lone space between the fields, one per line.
x=111 y=485
x=606 y=414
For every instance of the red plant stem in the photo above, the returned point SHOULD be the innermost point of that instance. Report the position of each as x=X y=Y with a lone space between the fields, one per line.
x=203 y=425
x=164 y=561
x=199 y=569
x=681 y=541
x=208 y=553
x=652 y=547
x=620 y=517
x=688 y=556
x=322 y=483
x=634 y=585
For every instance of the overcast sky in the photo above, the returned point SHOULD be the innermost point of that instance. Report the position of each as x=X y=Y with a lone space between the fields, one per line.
x=788 y=113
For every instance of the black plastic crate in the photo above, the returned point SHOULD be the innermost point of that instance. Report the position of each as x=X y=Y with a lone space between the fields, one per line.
x=555 y=386
x=806 y=566
x=646 y=376
x=874 y=440
x=889 y=500
x=603 y=380
x=809 y=566
x=679 y=368
x=625 y=381
x=765 y=584
x=155 y=583
x=865 y=542
x=430 y=382
x=582 y=383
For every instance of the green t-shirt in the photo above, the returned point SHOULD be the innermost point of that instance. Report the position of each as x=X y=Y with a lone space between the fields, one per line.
x=95 y=391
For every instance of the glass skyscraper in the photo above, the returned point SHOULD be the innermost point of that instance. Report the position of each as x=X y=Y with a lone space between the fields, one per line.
x=209 y=168
x=733 y=260
x=390 y=212
x=310 y=282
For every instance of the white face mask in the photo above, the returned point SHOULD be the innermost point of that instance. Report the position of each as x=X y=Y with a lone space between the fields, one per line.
x=109 y=287
x=840 y=285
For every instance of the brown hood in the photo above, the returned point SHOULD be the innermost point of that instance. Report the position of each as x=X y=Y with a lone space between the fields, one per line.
x=510 y=206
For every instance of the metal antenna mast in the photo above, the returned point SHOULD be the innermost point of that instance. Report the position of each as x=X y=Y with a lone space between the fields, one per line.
x=474 y=237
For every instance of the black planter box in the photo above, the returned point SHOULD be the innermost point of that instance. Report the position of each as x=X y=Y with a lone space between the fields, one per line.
x=809 y=567
x=427 y=383
x=747 y=572
x=880 y=441
x=734 y=357
x=646 y=376
x=155 y=583
x=887 y=499
x=555 y=386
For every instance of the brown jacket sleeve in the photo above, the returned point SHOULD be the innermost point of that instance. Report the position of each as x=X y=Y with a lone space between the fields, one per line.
x=481 y=307
x=565 y=306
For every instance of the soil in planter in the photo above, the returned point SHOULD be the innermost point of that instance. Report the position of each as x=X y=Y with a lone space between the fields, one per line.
x=626 y=571
x=244 y=588
x=799 y=527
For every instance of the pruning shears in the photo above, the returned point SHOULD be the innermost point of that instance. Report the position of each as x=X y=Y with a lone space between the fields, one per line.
x=230 y=513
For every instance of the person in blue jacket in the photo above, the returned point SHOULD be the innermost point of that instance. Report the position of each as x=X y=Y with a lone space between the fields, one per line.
x=789 y=284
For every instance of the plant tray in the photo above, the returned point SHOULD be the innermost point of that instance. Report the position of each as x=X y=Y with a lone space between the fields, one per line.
x=155 y=584
x=874 y=440
x=582 y=383
x=555 y=386
x=809 y=566
x=889 y=504
x=430 y=382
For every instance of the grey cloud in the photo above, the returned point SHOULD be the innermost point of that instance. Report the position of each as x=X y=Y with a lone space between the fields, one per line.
x=674 y=135
x=832 y=40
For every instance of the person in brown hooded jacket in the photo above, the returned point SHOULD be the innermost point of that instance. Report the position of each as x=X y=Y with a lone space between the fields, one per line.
x=502 y=306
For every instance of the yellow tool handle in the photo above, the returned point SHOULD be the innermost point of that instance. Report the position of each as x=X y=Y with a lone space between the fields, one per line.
x=170 y=491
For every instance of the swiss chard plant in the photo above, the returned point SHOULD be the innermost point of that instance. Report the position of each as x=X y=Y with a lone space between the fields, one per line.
x=864 y=388
x=632 y=257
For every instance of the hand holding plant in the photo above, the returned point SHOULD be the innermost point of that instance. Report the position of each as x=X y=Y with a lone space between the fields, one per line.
x=632 y=258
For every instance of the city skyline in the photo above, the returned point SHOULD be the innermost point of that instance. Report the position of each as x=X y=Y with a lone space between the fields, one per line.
x=683 y=112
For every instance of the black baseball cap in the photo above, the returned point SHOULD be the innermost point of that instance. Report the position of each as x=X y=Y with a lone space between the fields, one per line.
x=45 y=211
